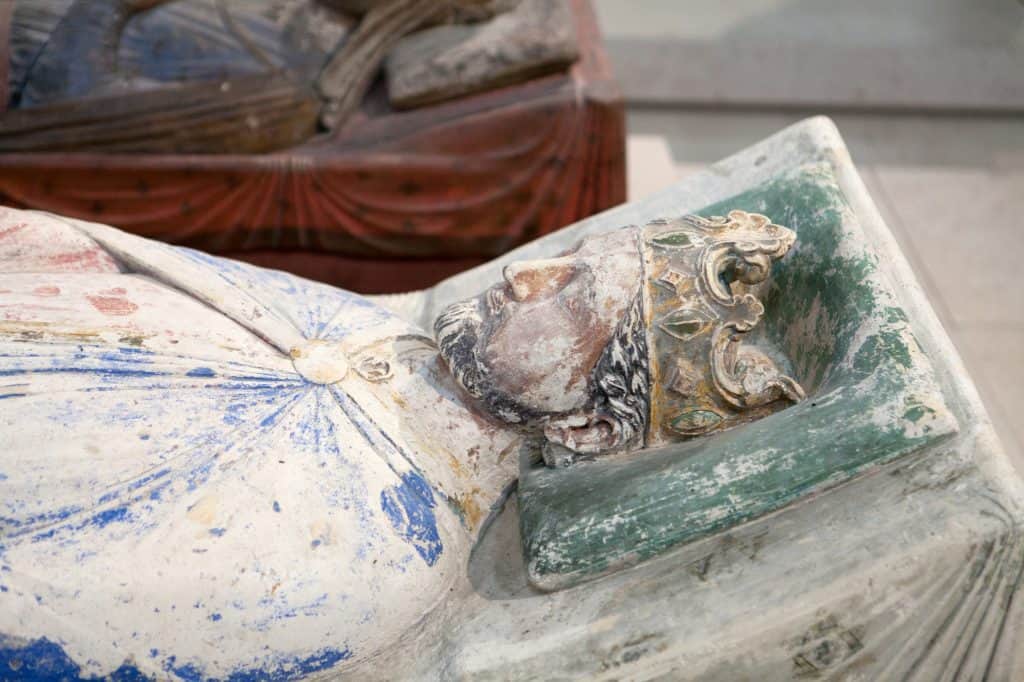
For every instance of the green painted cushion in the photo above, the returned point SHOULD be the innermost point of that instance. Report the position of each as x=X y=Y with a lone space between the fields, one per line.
x=872 y=397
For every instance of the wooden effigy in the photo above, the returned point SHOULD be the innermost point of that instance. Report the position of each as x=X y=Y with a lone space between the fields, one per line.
x=390 y=200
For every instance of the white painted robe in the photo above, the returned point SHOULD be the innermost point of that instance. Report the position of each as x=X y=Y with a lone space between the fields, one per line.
x=180 y=496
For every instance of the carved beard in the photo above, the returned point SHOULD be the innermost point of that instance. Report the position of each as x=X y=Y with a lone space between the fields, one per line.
x=459 y=330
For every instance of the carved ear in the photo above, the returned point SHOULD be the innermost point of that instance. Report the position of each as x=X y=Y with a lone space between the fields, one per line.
x=585 y=433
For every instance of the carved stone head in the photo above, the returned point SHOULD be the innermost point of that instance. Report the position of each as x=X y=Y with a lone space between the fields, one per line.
x=634 y=338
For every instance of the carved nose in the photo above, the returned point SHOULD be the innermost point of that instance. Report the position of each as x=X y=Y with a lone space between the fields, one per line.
x=539 y=278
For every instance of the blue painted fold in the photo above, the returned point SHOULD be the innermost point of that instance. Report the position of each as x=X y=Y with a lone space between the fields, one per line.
x=409 y=506
x=42 y=660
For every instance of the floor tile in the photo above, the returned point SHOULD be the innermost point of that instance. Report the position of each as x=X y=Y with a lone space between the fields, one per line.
x=964 y=229
x=649 y=165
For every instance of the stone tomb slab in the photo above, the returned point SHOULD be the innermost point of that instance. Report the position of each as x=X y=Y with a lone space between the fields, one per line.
x=909 y=570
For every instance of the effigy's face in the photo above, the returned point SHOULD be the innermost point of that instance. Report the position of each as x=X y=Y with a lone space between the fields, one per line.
x=527 y=345
x=631 y=339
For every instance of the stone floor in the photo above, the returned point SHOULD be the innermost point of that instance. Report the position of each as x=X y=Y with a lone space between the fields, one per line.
x=950 y=187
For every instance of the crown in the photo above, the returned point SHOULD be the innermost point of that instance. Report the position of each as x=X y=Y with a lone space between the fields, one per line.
x=706 y=277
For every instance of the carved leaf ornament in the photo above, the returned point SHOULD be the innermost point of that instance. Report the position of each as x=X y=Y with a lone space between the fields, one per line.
x=673 y=240
x=685 y=323
x=696 y=422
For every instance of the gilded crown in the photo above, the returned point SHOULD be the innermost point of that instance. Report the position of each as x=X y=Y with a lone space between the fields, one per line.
x=706 y=278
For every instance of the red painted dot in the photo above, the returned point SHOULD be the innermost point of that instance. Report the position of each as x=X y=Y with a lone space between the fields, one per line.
x=112 y=305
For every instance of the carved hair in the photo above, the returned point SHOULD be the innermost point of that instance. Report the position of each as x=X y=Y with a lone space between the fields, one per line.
x=622 y=377
x=457 y=330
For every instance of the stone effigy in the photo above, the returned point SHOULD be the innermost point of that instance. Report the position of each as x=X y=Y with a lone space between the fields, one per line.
x=213 y=471
x=390 y=467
